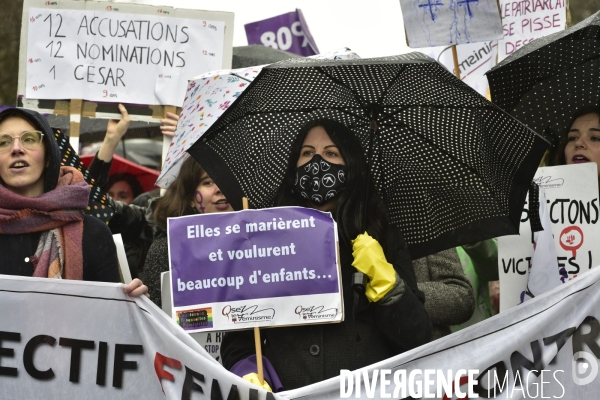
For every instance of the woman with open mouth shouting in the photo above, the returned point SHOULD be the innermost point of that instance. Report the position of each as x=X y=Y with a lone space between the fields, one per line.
x=192 y=192
x=581 y=142
x=43 y=229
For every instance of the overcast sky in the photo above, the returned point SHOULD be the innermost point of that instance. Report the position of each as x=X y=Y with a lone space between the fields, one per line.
x=372 y=28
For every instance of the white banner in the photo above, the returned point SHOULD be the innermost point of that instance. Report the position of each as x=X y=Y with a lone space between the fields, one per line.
x=526 y=20
x=474 y=60
x=572 y=198
x=545 y=348
x=65 y=339
x=111 y=56
x=84 y=340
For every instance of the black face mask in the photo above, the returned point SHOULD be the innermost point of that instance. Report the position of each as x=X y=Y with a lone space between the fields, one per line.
x=319 y=181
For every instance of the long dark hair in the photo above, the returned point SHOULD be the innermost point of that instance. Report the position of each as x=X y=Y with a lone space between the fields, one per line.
x=352 y=203
x=559 y=157
x=177 y=198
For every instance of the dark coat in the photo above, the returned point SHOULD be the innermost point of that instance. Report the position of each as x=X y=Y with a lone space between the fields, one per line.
x=302 y=355
x=157 y=262
x=449 y=296
x=133 y=221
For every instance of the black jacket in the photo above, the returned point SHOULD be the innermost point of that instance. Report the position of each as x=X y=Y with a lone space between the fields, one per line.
x=133 y=221
x=130 y=220
x=302 y=355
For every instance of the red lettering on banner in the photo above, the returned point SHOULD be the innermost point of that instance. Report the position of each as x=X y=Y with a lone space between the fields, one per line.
x=462 y=381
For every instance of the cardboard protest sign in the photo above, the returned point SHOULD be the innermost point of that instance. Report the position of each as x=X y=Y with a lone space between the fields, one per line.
x=524 y=21
x=276 y=266
x=431 y=23
x=288 y=32
x=572 y=199
x=474 y=60
x=107 y=56
x=168 y=90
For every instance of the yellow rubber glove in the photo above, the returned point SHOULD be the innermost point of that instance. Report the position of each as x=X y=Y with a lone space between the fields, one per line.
x=370 y=260
x=253 y=378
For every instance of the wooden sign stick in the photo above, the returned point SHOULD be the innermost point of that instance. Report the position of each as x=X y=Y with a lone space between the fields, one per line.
x=75 y=109
x=259 y=364
x=455 y=58
x=171 y=109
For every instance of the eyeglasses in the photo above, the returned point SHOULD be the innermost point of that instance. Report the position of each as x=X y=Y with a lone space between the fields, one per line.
x=31 y=140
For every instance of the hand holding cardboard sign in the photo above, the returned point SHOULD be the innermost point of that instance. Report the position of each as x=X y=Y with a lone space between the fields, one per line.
x=169 y=124
x=370 y=260
x=253 y=378
x=115 y=130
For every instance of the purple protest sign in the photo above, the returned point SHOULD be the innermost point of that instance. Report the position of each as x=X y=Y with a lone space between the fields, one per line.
x=287 y=32
x=254 y=258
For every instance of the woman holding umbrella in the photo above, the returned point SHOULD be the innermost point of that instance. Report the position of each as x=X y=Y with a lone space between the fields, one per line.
x=382 y=321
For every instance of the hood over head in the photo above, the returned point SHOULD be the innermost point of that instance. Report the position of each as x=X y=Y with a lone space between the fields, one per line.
x=52 y=151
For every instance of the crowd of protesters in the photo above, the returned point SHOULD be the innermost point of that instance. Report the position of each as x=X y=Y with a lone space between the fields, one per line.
x=44 y=232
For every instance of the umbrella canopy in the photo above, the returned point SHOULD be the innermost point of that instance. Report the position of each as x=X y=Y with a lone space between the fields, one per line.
x=545 y=82
x=452 y=167
x=145 y=176
x=257 y=54
x=207 y=97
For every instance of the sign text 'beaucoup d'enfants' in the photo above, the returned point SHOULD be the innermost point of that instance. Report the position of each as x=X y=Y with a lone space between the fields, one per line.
x=232 y=270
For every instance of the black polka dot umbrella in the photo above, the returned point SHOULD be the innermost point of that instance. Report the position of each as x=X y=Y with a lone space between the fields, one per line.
x=545 y=82
x=452 y=167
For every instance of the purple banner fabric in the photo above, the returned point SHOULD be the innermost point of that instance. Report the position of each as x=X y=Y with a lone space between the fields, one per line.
x=287 y=32
x=252 y=254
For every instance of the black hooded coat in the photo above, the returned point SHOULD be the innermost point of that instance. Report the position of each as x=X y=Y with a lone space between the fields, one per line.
x=99 y=252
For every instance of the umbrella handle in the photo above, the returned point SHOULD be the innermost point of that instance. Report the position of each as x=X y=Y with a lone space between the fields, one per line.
x=359 y=282
x=455 y=59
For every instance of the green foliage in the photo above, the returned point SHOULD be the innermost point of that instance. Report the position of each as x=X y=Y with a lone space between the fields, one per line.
x=10 y=31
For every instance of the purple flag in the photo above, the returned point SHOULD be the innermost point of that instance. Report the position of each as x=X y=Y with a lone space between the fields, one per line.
x=287 y=32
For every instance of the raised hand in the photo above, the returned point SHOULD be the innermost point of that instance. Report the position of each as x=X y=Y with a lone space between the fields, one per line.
x=114 y=132
x=169 y=124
